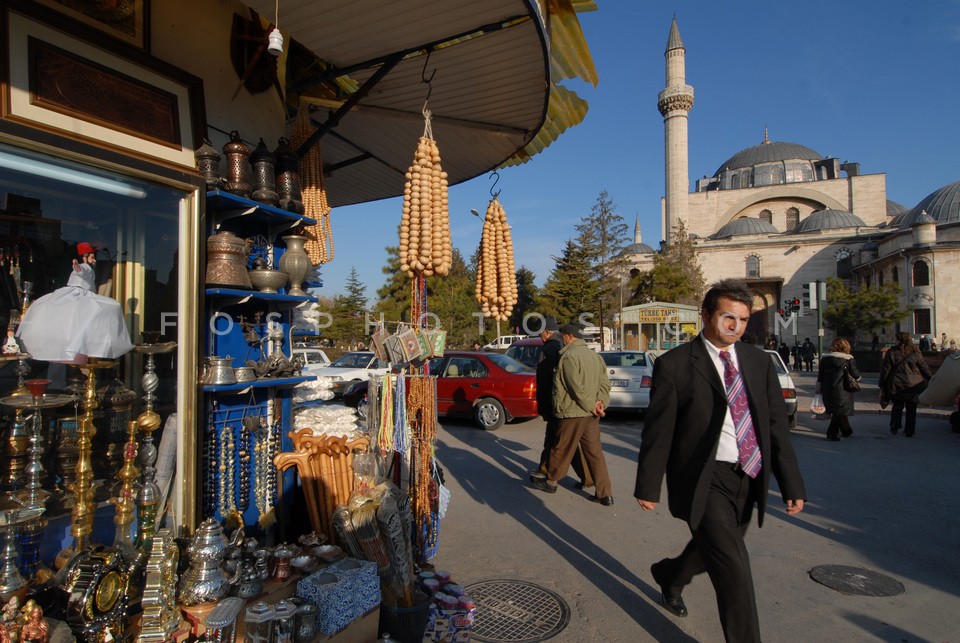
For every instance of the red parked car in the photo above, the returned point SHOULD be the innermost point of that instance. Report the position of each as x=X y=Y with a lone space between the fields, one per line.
x=491 y=388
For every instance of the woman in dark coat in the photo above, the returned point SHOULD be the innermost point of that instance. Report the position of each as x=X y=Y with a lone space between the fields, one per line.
x=903 y=377
x=836 y=398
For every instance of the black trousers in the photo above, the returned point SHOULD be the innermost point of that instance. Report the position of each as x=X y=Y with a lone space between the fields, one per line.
x=897 y=412
x=717 y=548
x=839 y=424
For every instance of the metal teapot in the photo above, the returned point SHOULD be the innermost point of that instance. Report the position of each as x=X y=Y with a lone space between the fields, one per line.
x=227 y=260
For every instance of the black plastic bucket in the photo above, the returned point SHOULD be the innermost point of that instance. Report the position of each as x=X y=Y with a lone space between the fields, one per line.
x=406 y=624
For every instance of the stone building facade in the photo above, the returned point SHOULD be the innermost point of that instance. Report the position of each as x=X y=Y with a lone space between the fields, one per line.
x=780 y=215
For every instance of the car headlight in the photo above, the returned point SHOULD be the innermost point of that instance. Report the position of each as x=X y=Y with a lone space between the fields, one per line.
x=335 y=378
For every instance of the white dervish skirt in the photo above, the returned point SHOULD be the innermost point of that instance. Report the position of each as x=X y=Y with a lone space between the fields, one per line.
x=72 y=323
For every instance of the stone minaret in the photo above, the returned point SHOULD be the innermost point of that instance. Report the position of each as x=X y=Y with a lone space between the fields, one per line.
x=675 y=102
x=637 y=235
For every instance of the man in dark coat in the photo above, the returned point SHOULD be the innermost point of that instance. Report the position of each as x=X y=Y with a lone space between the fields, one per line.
x=717 y=427
x=809 y=352
x=547 y=364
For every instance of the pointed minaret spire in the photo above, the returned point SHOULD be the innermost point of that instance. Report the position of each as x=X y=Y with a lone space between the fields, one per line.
x=637 y=235
x=675 y=102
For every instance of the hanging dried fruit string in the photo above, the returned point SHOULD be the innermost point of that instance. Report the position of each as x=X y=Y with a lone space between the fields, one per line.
x=319 y=245
x=496 y=288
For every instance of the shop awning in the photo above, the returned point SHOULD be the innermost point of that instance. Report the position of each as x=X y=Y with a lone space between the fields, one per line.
x=493 y=95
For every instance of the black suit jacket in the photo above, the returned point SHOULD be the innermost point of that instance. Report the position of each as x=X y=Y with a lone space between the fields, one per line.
x=682 y=426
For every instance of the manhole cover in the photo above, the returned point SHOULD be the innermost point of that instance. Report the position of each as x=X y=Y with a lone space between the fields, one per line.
x=856 y=580
x=516 y=612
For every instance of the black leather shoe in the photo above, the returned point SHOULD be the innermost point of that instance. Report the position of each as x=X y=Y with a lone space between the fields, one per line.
x=541 y=484
x=673 y=604
x=536 y=473
x=582 y=486
x=846 y=434
x=606 y=501
x=833 y=438
x=894 y=429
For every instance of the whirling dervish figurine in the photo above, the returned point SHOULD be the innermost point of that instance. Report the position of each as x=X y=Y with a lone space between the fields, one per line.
x=73 y=323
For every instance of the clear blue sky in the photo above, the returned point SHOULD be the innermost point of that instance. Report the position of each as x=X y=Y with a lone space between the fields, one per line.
x=871 y=82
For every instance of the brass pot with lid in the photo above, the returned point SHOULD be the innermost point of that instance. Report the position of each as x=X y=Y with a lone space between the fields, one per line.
x=227 y=260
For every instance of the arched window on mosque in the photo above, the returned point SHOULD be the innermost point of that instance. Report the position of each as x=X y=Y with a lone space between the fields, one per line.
x=880 y=279
x=895 y=275
x=753 y=267
x=766 y=215
x=921 y=273
x=793 y=218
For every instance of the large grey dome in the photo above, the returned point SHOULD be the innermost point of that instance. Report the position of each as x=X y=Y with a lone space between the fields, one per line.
x=894 y=208
x=943 y=206
x=742 y=226
x=827 y=219
x=768 y=152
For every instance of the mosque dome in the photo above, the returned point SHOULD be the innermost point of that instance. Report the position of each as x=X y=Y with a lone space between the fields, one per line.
x=894 y=208
x=828 y=219
x=744 y=226
x=768 y=152
x=943 y=206
x=637 y=249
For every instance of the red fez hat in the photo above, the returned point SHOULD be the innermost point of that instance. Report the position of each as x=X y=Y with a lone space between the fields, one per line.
x=84 y=248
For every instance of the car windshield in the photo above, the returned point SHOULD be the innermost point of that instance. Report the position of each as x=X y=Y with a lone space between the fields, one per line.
x=778 y=363
x=509 y=364
x=353 y=360
x=624 y=359
x=527 y=354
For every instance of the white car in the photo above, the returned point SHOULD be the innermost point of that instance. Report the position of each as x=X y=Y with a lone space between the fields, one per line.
x=786 y=383
x=352 y=367
x=631 y=375
x=503 y=342
x=313 y=359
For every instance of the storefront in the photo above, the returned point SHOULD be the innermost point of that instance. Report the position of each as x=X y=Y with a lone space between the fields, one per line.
x=102 y=113
x=659 y=326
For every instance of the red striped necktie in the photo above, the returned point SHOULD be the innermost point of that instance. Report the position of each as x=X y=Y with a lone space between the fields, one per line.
x=750 y=460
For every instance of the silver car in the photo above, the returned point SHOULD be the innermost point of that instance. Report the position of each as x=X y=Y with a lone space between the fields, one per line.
x=786 y=383
x=631 y=374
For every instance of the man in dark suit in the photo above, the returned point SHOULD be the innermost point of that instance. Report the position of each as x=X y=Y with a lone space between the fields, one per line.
x=717 y=426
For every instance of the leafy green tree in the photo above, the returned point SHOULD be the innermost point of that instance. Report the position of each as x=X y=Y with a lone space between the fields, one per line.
x=865 y=310
x=676 y=276
x=569 y=291
x=526 y=296
x=393 y=297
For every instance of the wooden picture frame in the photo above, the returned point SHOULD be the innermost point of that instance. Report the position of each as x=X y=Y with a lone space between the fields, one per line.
x=129 y=23
x=62 y=77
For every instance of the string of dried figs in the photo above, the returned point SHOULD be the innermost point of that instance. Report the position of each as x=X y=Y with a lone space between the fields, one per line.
x=425 y=246
x=496 y=287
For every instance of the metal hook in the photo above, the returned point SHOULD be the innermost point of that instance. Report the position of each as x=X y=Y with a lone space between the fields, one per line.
x=496 y=179
x=423 y=75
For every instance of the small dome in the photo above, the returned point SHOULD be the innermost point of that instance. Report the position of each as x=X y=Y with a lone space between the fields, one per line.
x=870 y=246
x=943 y=206
x=768 y=152
x=894 y=208
x=743 y=226
x=923 y=219
x=637 y=249
x=828 y=219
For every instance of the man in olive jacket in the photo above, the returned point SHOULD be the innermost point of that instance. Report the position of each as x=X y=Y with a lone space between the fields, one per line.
x=581 y=391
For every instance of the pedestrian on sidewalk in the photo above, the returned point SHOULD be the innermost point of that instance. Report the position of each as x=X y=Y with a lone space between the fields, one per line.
x=809 y=352
x=834 y=368
x=904 y=375
x=784 y=351
x=546 y=366
x=797 y=352
x=717 y=427
x=581 y=391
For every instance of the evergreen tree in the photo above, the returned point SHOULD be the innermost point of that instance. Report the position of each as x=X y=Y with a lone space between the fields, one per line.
x=393 y=297
x=526 y=297
x=868 y=309
x=569 y=291
x=349 y=312
x=603 y=235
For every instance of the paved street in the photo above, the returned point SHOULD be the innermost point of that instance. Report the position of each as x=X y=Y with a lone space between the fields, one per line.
x=887 y=504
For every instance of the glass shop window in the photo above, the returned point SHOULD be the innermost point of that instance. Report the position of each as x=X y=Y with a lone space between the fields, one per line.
x=47 y=207
x=921 y=273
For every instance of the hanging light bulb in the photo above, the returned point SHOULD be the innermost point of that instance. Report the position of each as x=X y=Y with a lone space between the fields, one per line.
x=275 y=38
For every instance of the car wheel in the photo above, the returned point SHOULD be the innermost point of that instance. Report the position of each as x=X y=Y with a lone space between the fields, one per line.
x=362 y=407
x=793 y=420
x=489 y=414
